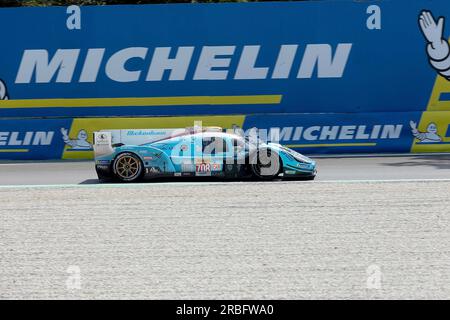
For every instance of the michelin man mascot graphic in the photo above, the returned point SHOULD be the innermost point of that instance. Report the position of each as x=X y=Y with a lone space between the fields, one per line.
x=80 y=143
x=438 y=51
x=3 y=91
x=429 y=136
x=438 y=48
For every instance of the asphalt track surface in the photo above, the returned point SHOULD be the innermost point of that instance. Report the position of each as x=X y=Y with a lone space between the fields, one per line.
x=369 y=227
x=330 y=169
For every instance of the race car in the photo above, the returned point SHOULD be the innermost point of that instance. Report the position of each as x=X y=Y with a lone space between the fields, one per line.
x=129 y=155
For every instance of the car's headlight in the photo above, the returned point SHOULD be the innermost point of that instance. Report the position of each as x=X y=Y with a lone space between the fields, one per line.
x=297 y=156
x=301 y=158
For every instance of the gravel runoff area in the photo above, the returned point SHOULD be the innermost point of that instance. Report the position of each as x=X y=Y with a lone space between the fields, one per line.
x=235 y=240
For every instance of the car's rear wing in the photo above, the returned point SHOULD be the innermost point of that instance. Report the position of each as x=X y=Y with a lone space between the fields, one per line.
x=106 y=140
x=102 y=143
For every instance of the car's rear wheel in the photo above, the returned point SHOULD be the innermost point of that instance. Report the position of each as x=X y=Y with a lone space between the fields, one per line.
x=128 y=167
x=266 y=164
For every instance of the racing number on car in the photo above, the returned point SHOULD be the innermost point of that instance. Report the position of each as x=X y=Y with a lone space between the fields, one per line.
x=203 y=168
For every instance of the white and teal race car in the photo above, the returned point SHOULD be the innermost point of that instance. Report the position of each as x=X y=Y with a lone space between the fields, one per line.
x=130 y=155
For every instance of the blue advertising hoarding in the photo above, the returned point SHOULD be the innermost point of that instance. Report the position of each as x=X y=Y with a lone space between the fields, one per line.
x=328 y=76
x=246 y=58
x=339 y=133
x=308 y=133
x=31 y=139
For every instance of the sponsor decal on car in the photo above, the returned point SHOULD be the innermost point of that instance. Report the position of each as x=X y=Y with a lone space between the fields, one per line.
x=153 y=170
x=203 y=169
x=187 y=174
x=103 y=161
x=187 y=167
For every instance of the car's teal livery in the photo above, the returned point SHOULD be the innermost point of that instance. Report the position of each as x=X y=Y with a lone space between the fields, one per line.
x=209 y=152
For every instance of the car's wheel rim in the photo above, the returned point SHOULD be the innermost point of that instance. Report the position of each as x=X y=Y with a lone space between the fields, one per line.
x=127 y=167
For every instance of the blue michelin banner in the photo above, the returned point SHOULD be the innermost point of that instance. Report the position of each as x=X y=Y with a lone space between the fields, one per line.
x=22 y=139
x=217 y=59
x=339 y=133
x=307 y=133
x=319 y=76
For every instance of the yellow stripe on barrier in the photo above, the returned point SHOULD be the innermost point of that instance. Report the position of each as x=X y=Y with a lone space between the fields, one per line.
x=140 y=102
x=332 y=145
x=13 y=150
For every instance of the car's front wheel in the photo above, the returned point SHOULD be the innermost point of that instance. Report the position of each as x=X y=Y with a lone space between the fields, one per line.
x=266 y=164
x=128 y=167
